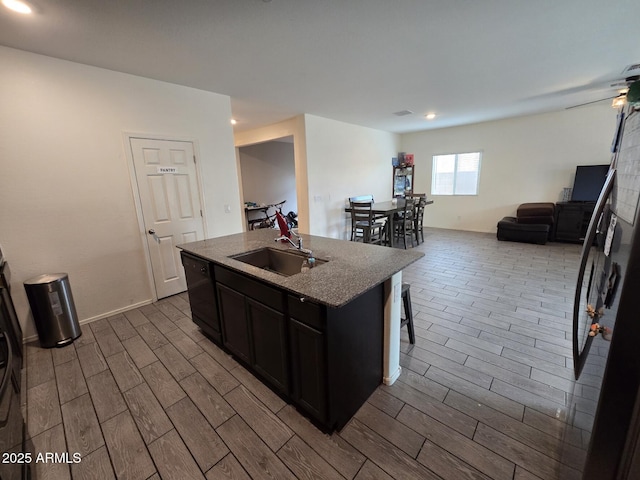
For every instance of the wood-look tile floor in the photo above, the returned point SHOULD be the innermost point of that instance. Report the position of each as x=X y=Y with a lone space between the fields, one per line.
x=145 y=395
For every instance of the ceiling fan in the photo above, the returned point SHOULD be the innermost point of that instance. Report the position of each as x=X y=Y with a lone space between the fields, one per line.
x=617 y=87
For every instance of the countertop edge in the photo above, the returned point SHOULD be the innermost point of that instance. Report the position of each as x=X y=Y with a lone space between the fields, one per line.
x=352 y=269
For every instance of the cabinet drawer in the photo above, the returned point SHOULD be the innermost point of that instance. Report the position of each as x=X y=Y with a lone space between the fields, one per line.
x=269 y=296
x=306 y=312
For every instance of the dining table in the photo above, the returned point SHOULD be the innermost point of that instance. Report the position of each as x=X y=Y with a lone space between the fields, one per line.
x=387 y=209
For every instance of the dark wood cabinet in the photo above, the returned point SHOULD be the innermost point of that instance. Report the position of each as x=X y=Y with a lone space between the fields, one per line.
x=572 y=220
x=270 y=346
x=326 y=361
x=308 y=357
x=202 y=294
x=336 y=355
x=235 y=329
x=254 y=326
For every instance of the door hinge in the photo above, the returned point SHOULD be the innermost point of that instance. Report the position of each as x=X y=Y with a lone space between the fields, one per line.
x=200 y=212
x=194 y=159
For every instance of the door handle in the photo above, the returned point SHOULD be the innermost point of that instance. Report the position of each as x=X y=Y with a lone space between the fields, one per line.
x=152 y=232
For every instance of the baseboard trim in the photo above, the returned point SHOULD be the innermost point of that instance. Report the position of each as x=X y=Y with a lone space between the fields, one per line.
x=33 y=338
x=391 y=379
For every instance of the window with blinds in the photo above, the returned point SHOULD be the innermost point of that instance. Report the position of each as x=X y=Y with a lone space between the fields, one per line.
x=456 y=174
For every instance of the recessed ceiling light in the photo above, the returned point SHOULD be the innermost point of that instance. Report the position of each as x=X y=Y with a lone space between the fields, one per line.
x=17 y=6
x=233 y=121
x=430 y=116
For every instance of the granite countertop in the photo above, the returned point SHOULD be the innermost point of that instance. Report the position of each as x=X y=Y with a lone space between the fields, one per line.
x=352 y=268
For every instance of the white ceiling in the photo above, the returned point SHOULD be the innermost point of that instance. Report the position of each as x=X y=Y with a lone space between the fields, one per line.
x=357 y=61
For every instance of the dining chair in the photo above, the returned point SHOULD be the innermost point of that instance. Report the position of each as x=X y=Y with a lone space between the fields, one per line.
x=418 y=219
x=363 y=225
x=381 y=220
x=369 y=198
x=362 y=198
x=403 y=223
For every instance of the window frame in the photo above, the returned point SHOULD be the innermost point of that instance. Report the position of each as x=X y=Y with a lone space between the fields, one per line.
x=455 y=174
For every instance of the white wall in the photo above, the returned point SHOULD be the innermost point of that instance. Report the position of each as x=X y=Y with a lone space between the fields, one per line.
x=345 y=160
x=333 y=161
x=269 y=174
x=65 y=193
x=524 y=159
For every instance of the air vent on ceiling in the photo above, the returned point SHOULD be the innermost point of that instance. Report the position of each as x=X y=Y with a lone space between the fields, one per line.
x=402 y=113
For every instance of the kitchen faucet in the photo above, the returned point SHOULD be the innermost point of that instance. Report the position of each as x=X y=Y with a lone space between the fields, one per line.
x=298 y=246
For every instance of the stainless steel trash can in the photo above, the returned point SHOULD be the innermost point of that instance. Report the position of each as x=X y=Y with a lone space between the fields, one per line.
x=53 y=309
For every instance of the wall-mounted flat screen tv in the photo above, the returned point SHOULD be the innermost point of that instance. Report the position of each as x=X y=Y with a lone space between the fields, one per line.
x=588 y=182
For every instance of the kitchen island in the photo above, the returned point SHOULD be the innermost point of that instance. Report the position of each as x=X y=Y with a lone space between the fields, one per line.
x=323 y=339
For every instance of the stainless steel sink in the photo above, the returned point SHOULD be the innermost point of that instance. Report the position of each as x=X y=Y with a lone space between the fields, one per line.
x=283 y=262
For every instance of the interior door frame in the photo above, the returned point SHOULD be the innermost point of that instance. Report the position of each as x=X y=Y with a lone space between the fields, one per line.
x=295 y=128
x=127 y=136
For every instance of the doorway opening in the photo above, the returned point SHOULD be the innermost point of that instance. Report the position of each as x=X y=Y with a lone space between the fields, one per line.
x=268 y=176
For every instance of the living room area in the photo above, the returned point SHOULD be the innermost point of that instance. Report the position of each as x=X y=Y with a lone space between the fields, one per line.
x=524 y=160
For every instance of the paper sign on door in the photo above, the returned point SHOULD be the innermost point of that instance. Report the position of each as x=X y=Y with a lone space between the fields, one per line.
x=167 y=170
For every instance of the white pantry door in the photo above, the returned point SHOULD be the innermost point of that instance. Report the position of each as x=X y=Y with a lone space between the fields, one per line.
x=170 y=200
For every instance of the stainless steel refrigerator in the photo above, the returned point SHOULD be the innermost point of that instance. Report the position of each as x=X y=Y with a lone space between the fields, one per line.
x=601 y=438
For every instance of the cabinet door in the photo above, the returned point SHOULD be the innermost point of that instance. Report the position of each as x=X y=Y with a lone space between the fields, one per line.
x=270 y=352
x=235 y=330
x=308 y=361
